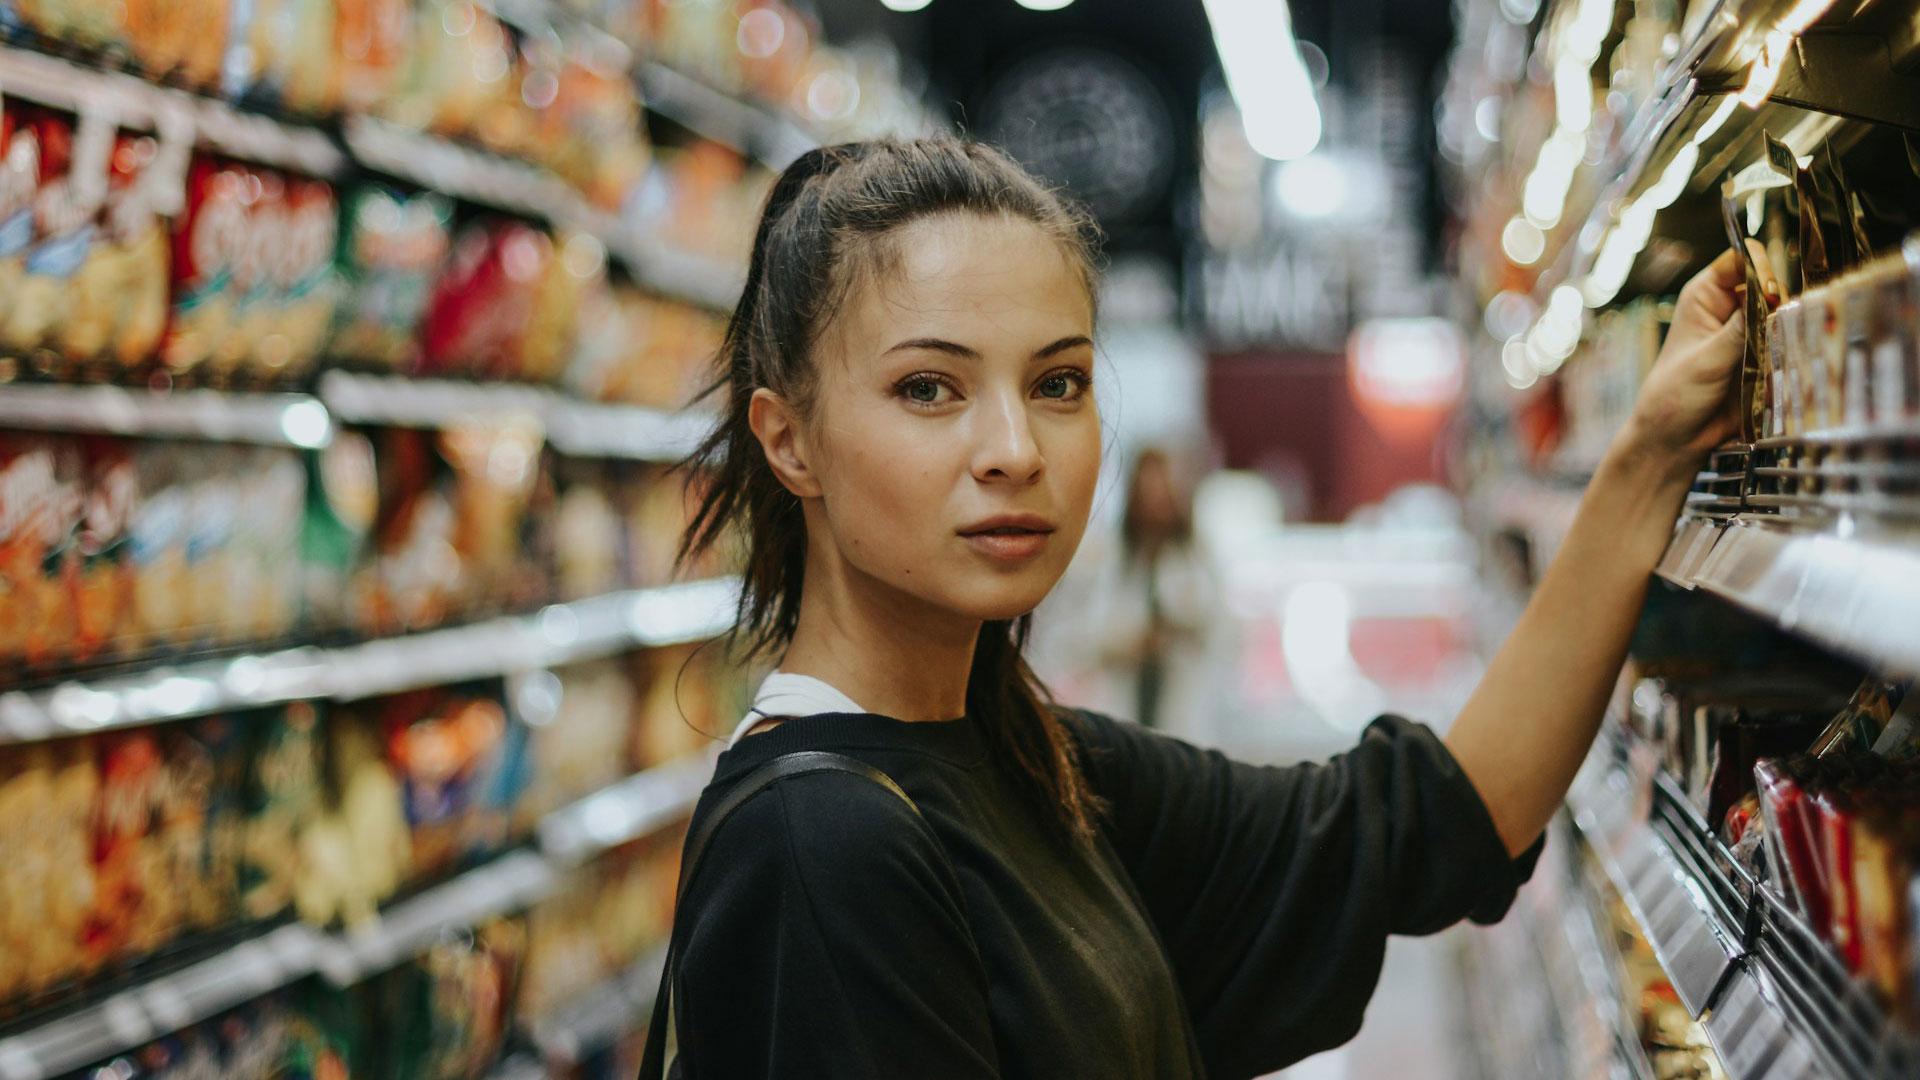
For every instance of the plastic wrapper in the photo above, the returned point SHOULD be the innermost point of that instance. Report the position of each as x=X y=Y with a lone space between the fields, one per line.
x=392 y=246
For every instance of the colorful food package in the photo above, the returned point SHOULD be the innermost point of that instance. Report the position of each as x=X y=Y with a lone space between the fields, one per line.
x=211 y=554
x=1886 y=877
x=590 y=134
x=392 y=246
x=342 y=504
x=581 y=262
x=157 y=547
x=1828 y=337
x=1787 y=346
x=451 y=1008
x=255 y=282
x=1896 y=339
x=304 y=290
x=209 y=241
x=48 y=793
x=357 y=850
x=589 y=538
x=104 y=594
x=438 y=744
x=414 y=576
x=279 y=55
x=74 y=158
x=442 y=89
x=283 y=799
x=181 y=40
x=498 y=472
x=1792 y=840
x=19 y=182
x=1856 y=372
x=264 y=586
x=41 y=508
x=581 y=739
x=478 y=315
x=132 y=912
x=371 y=39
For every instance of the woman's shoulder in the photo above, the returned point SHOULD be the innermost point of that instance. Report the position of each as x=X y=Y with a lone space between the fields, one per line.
x=829 y=830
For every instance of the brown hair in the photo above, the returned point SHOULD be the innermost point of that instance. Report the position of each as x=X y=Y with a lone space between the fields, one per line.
x=829 y=219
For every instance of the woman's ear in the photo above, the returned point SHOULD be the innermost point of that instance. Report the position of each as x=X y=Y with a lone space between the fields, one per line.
x=777 y=426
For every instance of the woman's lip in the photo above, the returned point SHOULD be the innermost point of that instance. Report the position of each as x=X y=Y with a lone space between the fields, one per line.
x=1009 y=547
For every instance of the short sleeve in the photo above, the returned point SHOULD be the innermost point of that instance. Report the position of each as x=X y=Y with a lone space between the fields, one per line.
x=824 y=935
x=1274 y=889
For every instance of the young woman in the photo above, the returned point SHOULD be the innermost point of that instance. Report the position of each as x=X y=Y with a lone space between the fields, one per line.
x=908 y=453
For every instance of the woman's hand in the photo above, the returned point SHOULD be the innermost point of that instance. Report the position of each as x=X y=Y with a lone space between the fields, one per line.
x=1683 y=409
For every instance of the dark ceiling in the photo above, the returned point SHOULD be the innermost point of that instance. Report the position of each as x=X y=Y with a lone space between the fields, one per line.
x=968 y=48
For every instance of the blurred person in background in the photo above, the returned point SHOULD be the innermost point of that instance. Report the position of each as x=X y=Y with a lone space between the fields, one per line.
x=1151 y=616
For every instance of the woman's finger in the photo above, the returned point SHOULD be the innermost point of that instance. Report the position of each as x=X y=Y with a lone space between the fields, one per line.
x=1712 y=288
x=1764 y=267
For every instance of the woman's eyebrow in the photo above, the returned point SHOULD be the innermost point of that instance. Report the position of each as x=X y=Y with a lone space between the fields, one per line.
x=1063 y=345
x=937 y=345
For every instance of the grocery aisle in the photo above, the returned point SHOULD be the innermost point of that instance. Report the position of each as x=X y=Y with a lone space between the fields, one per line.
x=354 y=700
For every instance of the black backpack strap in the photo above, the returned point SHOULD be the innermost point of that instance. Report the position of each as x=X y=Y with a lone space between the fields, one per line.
x=798 y=763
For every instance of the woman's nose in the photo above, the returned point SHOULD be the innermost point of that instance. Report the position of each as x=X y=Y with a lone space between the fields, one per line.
x=1006 y=449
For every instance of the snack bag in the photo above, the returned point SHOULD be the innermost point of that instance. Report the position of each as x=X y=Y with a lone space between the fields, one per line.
x=437 y=743
x=587 y=538
x=1792 y=848
x=133 y=910
x=370 y=40
x=496 y=471
x=284 y=792
x=72 y=188
x=103 y=600
x=119 y=294
x=548 y=337
x=256 y=277
x=157 y=546
x=308 y=287
x=1896 y=344
x=208 y=241
x=40 y=512
x=47 y=797
x=391 y=248
x=19 y=181
x=483 y=303
x=342 y=502
x=213 y=504
x=417 y=575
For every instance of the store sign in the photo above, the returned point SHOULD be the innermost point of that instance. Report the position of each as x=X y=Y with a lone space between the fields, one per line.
x=1272 y=297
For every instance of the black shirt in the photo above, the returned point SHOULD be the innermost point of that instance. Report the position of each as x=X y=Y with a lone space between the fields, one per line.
x=1229 y=918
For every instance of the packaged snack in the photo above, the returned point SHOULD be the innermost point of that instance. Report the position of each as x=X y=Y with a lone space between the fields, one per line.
x=157 y=547
x=1896 y=345
x=132 y=909
x=497 y=469
x=47 y=794
x=415 y=577
x=183 y=825
x=1791 y=350
x=19 y=181
x=305 y=290
x=364 y=825
x=1856 y=350
x=255 y=282
x=581 y=261
x=74 y=156
x=342 y=501
x=478 y=315
x=136 y=237
x=1792 y=847
x=585 y=744
x=41 y=508
x=588 y=538
x=208 y=242
x=1884 y=874
x=1827 y=338
x=391 y=247
x=103 y=598
x=283 y=800
x=211 y=554
x=437 y=744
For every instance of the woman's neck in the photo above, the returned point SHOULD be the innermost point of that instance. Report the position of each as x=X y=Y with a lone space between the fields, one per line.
x=892 y=653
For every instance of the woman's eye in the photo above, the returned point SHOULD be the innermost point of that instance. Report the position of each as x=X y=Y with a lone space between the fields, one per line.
x=1061 y=385
x=922 y=390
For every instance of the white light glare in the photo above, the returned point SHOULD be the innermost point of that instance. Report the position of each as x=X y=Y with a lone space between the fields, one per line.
x=306 y=424
x=1043 y=5
x=904 y=5
x=1519 y=370
x=1268 y=81
x=1523 y=241
x=1312 y=187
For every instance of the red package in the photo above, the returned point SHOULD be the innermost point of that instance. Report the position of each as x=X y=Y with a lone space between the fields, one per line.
x=119 y=294
x=254 y=341
x=1835 y=813
x=130 y=907
x=208 y=241
x=1792 y=847
x=483 y=303
x=19 y=180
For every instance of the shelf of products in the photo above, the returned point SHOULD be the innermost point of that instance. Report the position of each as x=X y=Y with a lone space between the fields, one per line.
x=558 y=634
x=295 y=420
x=280 y=957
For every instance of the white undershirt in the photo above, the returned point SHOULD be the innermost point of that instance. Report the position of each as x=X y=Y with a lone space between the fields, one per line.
x=786 y=694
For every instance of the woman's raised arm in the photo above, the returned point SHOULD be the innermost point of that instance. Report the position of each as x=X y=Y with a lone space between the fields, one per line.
x=1525 y=730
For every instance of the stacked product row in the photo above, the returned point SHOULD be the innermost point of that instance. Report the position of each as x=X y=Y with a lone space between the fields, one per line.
x=131 y=846
x=128 y=257
x=119 y=549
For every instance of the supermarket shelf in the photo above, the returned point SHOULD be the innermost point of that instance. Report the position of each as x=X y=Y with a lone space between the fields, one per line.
x=405 y=929
x=1777 y=1003
x=558 y=634
x=1586 y=929
x=697 y=279
x=573 y=427
x=598 y=1017
x=474 y=175
x=623 y=812
x=269 y=419
x=164 y=1004
x=136 y=103
x=712 y=113
x=1854 y=595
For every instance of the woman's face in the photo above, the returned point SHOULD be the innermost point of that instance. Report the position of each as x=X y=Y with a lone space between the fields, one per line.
x=954 y=438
